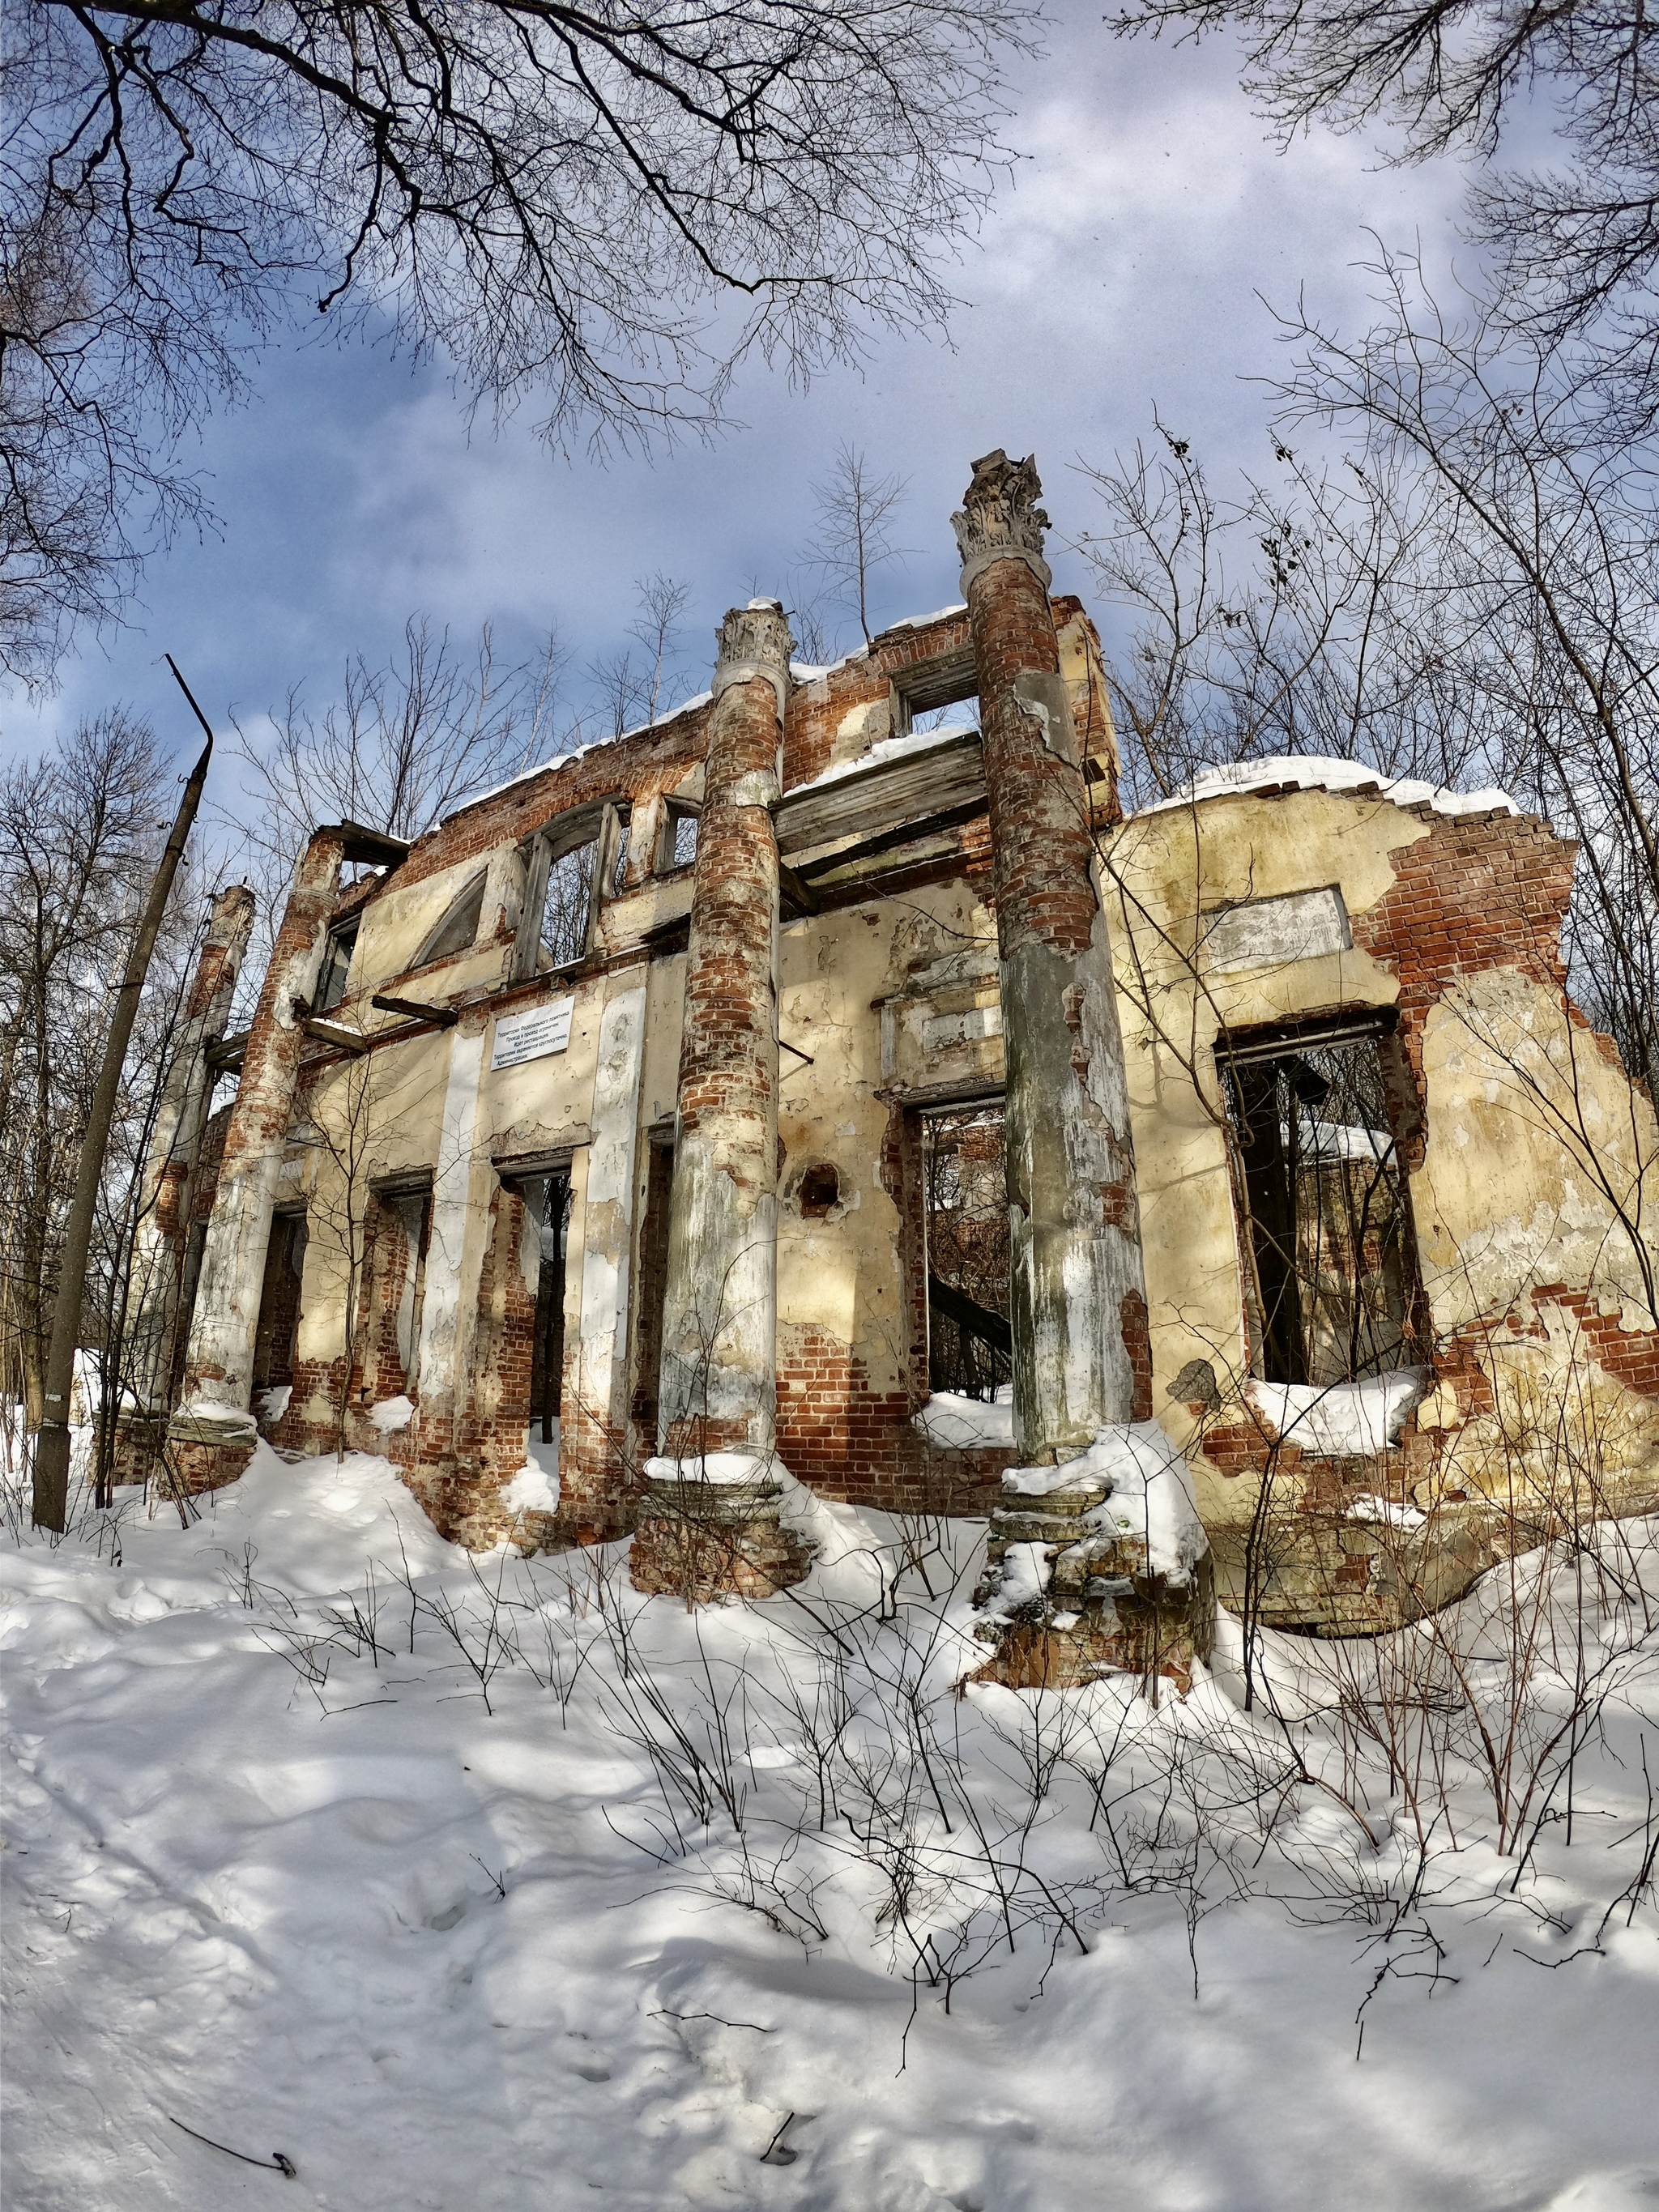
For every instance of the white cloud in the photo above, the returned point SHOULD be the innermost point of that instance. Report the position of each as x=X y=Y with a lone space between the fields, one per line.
x=1122 y=267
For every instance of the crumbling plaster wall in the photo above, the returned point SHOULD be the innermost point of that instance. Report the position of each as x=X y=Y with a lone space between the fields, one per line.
x=1536 y=1152
x=843 y=1274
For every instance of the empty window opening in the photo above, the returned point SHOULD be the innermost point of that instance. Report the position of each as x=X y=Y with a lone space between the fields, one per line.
x=820 y=1190
x=960 y=714
x=651 y=1293
x=940 y=693
x=336 y=966
x=460 y=927
x=1330 y=1262
x=547 y=1201
x=278 y=1328
x=680 y=836
x=568 y=908
x=403 y=1232
x=619 y=869
x=965 y=1213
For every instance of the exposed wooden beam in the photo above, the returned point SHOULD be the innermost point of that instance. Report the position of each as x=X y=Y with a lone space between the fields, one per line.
x=334 y=1034
x=888 y=841
x=975 y=1320
x=445 y=1017
x=796 y=893
x=226 y=1057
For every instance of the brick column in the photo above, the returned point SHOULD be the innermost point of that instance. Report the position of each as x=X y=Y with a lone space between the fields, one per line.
x=1080 y=1351
x=163 y=1213
x=719 y=1321
x=213 y=1433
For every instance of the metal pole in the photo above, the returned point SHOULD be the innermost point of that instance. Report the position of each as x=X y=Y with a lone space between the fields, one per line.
x=52 y=1445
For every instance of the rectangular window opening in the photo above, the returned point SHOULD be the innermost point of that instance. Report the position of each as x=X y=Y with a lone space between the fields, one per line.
x=652 y=1291
x=460 y=927
x=679 y=837
x=337 y=967
x=960 y=714
x=403 y=1235
x=965 y=1224
x=547 y=1197
x=1331 y=1274
x=941 y=692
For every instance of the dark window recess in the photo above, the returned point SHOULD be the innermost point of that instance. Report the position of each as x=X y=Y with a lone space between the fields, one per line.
x=403 y=1235
x=336 y=966
x=279 y=1326
x=619 y=871
x=567 y=909
x=652 y=1291
x=820 y=1189
x=460 y=927
x=547 y=1201
x=679 y=837
x=969 y=1339
x=1331 y=1263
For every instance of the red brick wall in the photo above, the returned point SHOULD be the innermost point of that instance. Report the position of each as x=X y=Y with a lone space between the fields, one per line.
x=812 y=721
x=1479 y=891
x=851 y=1442
x=504 y=1348
x=635 y=768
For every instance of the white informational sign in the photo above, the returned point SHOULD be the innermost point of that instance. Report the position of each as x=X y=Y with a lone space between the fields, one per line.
x=533 y=1034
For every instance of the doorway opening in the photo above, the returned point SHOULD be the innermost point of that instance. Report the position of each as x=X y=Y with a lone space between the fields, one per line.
x=402 y=1231
x=278 y=1328
x=965 y=1224
x=652 y=1291
x=547 y=1202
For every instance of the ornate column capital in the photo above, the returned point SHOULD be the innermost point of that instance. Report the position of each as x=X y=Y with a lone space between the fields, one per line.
x=1000 y=518
x=755 y=641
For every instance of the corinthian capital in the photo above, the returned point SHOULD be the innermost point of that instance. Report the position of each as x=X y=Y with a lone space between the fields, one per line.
x=755 y=641
x=1000 y=518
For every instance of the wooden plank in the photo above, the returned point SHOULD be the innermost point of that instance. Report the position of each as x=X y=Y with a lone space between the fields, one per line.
x=870 y=801
x=890 y=841
x=971 y=1317
x=417 y=1009
x=335 y=1035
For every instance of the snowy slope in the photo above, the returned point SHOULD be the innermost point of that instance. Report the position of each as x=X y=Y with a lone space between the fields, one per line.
x=485 y=1960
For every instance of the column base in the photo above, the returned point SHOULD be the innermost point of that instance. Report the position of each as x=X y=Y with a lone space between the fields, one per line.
x=138 y=1441
x=1076 y=1604
x=706 y=1542
x=206 y=1450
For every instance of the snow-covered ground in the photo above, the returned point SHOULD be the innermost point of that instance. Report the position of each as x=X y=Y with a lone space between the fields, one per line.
x=447 y=1926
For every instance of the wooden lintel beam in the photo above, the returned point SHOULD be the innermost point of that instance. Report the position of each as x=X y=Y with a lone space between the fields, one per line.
x=335 y=1035
x=445 y=1017
x=909 y=833
x=798 y=894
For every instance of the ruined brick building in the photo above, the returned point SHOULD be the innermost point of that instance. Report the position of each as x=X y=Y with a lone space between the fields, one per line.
x=831 y=1068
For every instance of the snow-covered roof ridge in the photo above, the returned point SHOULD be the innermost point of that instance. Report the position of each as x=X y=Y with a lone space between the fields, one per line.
x=563 y=760
x=805 y=672
x=1320 y=772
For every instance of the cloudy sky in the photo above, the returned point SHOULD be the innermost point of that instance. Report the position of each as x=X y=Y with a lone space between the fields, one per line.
x=1120 y=268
